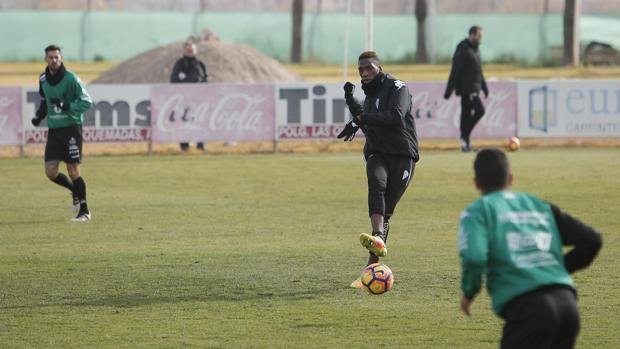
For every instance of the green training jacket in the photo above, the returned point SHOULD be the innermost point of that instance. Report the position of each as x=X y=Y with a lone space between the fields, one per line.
x=69 y=90
x=512 y=239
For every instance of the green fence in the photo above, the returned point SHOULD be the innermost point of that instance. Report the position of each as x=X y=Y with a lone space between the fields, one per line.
x=117 y=36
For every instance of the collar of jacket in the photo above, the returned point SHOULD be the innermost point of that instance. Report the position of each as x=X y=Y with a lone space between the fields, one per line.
x=374 y=85
x=470 y=44
x=55 y=79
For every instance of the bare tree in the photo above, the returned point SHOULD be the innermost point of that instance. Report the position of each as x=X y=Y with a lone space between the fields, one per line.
x=571 y=32
x=296 y=46
x=421 y=11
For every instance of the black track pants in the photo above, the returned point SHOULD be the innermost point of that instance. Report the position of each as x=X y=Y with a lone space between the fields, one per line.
x=388 y=178
x=472 y=111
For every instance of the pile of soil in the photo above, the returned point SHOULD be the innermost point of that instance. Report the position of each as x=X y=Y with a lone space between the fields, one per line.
x=226 y=62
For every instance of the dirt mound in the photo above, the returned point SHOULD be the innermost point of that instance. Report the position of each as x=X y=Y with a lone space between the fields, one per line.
x=226 y=62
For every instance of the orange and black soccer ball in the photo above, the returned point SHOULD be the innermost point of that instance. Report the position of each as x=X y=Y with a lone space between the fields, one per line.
x=378 y=278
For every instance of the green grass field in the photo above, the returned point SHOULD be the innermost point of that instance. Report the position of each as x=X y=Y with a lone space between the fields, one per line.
x=257 y=251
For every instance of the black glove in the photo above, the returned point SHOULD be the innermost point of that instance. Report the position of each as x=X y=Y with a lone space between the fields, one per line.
x=36 y=121
x=356 y=111
x=348 y=89
x=446 y=95
x=354 y=108
x=60 y=104
x=486 y=92
x=348 y=133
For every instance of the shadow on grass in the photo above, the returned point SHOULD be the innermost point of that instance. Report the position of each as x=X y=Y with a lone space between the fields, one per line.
x=28 y=220
x=137 y=299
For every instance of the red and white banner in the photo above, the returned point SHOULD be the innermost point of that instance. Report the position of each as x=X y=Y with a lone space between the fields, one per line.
x=96 y=135
x=218 y=112
x=437 y=117
x=10 y=116
x=310 y=132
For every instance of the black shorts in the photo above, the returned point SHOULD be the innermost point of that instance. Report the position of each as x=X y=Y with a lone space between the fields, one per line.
x=543 y=318
x=64 y=144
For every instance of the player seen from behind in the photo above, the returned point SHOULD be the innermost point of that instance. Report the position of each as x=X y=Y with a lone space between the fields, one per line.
x=515 y=240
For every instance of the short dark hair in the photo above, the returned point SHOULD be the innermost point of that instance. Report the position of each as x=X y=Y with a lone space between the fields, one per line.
x=52 y=48
x=491 y=168
x=474 y=29
x=369 y=55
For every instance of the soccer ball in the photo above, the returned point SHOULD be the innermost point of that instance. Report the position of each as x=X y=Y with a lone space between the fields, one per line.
x=513 y=144
x=377 y=278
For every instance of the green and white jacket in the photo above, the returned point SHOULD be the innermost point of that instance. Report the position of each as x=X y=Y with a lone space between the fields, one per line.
x=66 y=86
x=513 y=240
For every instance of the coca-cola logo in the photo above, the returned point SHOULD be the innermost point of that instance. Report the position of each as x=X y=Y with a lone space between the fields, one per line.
x=234 y=112
x=437 y=117
x=6 y=101
x=443 y=113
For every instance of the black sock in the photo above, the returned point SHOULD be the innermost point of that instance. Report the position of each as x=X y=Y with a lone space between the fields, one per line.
x=80 y=191
x=64 y=181
x=372 y=259
x=386 y=229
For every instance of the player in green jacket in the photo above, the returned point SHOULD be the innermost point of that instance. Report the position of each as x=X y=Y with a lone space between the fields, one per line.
x=515 y=241
x=64 y=102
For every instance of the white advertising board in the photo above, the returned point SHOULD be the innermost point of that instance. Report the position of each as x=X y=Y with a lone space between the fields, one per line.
x=569 y=108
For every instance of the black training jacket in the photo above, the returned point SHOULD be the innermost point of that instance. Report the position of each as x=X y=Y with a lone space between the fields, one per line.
x=466 y=75
x=189 y=70
x=387 y=121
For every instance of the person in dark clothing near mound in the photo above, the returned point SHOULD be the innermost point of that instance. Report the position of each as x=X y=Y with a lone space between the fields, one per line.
x=189 y=69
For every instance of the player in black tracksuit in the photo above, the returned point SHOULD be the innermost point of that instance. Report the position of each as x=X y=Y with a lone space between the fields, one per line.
x=391 y=148
x=467 y=80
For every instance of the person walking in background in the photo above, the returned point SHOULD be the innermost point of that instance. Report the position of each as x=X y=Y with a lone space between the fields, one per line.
x=64 y=102
x=516 y=241
x=391 y=148
x=467 y=79
x=189 y=69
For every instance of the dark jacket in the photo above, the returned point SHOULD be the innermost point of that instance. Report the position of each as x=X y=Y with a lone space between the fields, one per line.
x=387 y=121
x=466 y=75
x=188 y=69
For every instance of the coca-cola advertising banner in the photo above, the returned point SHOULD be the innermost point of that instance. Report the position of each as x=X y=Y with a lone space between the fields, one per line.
x=10 y=116
x=315 y=111
x=120 y=113
x=437 y=117
x=217 y=112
